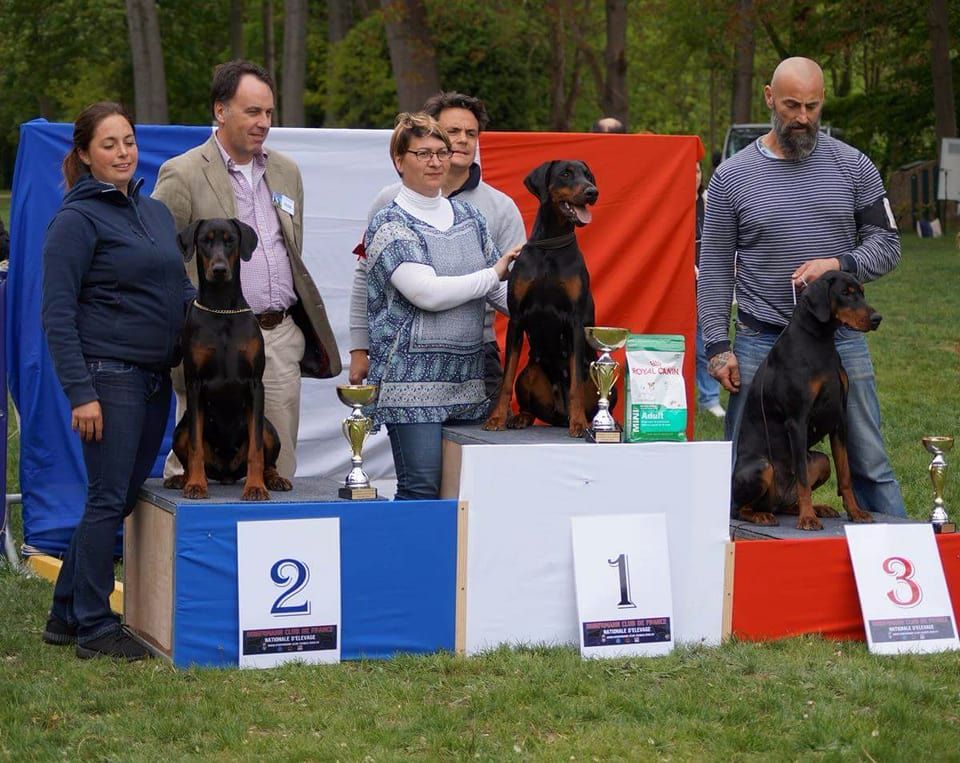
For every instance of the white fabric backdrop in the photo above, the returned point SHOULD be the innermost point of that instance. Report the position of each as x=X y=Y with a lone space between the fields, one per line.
x=343 y=170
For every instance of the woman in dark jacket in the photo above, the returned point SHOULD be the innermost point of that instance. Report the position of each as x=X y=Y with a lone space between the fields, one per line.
x=114 y=297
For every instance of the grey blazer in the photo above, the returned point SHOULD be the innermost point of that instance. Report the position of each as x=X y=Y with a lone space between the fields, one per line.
x=196 y=186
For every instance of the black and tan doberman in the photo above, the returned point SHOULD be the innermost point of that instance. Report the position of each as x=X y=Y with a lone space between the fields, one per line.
x=797 y=397
x=224 y=434
x=548 y=295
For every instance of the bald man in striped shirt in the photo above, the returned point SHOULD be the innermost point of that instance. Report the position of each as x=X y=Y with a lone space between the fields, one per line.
x=783 y=211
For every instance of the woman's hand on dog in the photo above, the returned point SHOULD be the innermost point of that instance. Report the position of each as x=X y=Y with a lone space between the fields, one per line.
x=502 y=267
x=87 y=421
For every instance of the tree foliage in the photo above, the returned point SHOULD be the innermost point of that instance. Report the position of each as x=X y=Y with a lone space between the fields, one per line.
x=538 y=64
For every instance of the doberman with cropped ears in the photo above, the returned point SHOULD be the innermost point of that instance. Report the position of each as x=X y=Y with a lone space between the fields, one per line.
x=548 y=296
x=797 y=397
x=223 y=434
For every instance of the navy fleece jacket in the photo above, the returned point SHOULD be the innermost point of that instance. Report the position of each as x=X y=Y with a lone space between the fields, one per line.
x=114 y=284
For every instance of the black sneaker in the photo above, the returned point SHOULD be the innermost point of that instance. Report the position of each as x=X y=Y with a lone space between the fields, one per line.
x=117 y=643
x=56 y=631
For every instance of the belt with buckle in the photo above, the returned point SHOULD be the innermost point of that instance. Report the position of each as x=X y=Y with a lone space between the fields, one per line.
x=272 y=318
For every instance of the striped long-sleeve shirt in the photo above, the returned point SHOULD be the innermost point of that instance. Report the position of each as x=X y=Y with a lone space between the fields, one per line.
x=766 y=216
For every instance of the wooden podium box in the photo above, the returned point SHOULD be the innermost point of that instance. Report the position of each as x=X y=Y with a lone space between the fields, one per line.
x=398 y=570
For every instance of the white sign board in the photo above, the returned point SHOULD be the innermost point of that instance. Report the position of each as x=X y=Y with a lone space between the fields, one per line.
x=949 y=184
x=902 y=589
x=288 y=582
x=622 y=576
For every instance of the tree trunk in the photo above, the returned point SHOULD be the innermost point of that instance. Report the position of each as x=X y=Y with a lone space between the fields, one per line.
x=149 y=79
x=339 y=23
x=412 y=54
x=269 y=46
x=236 y=29
x=614 y=101
x=741 y=105
x=943 y=105
x=294 y=62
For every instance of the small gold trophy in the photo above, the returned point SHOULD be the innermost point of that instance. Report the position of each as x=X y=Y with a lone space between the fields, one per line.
x=938 y=474
x=356 y=427
x=605 y=371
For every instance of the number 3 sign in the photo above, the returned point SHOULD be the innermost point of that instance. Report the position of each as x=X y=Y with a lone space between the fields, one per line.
x=288 y=581
x=902 y=589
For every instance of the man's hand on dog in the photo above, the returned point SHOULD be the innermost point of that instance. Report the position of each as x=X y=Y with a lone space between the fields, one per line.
x=359 y=366
x=87 y=421
x=725 y=369
x=502 y=267
x=811 y=270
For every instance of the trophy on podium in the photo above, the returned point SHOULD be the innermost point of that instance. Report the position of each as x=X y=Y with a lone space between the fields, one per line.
x=938 y=474
x=605 y=371
x=356 y=427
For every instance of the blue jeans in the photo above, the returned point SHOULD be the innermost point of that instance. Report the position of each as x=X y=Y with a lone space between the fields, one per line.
x=874 y=484
x=417 y=460
x=134 y=403
x=708 y=388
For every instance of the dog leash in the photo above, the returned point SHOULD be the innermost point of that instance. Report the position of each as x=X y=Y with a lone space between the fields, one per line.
x=223 y=312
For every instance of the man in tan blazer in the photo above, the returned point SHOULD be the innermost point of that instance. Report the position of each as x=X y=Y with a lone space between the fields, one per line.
x=232 y=176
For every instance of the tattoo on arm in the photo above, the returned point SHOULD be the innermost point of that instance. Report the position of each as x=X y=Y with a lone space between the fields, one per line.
x=718 y=361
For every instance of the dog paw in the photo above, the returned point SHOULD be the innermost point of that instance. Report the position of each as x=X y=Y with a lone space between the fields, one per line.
x=577 y=428
x=759 y=517
x=520 y=421
x=175 y=482
x=255 y=493
x=826 y=511
x=861 y=517
x=495 y=423
x=276 y=482
x=809 y=523
x=194 y=491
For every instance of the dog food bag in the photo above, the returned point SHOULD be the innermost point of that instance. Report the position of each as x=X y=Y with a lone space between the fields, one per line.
x=656 y=396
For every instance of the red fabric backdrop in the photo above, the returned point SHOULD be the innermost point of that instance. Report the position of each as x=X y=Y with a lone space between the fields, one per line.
x=639 y=247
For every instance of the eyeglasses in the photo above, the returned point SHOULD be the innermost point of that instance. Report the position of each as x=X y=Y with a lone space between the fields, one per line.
x=423 y=155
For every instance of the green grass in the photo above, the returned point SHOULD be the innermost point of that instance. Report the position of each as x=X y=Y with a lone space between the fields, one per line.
x=802 y=698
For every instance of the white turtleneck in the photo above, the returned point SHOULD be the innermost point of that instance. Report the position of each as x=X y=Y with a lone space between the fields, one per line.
x=420 y=283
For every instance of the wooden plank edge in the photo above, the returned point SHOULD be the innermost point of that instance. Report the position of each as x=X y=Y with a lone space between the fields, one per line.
x=460 y=635
x=726 y=628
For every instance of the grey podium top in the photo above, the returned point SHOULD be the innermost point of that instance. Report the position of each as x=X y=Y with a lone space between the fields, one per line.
x=305 y=490
x=473 y=434
x=787 y=529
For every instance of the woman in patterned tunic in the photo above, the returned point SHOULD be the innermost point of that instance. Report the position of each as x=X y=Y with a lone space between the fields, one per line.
x=432 y=266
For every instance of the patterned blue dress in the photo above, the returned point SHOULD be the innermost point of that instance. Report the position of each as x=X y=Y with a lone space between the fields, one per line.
x=428 y=365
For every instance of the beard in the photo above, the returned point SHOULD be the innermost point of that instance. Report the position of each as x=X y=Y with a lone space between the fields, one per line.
x=796 y=141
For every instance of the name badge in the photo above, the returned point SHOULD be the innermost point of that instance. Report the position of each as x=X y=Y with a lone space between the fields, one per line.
x=284 y=202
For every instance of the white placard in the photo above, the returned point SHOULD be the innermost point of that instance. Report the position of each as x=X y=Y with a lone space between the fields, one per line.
x=902 y=588
x=288 y=582
x=622 y=578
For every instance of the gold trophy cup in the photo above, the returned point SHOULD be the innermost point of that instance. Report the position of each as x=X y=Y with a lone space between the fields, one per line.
x=356 y=427
x=605 y=371
x=938 y=474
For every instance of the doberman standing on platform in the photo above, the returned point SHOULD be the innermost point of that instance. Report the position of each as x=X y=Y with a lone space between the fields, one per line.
x=224 y=434
x=798 y=397
x=548 y=295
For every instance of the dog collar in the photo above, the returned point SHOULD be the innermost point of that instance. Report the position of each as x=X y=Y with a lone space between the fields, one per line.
x=223 y=312
x=557 y=242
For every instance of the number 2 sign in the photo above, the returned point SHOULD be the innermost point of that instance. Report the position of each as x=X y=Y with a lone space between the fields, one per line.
x=902 y=589
x=288 y=582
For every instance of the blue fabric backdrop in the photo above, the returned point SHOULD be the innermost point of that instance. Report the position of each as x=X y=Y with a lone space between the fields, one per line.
x=52 y=474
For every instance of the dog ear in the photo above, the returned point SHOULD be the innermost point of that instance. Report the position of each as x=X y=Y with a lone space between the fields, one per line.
x=187 y=240
x=818 y=298
x=538 y=181
x=248 y=238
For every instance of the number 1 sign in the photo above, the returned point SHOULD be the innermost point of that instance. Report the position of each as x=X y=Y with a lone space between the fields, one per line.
x=902 y=589
x=288 y=582
x=622 y=576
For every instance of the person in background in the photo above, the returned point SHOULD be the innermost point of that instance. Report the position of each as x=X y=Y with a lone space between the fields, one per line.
x=783 y=211
x=233 y=175
x=462 y=118
x=708 y=388
x=608 y=124
x=114 y=299
x=431 y=265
